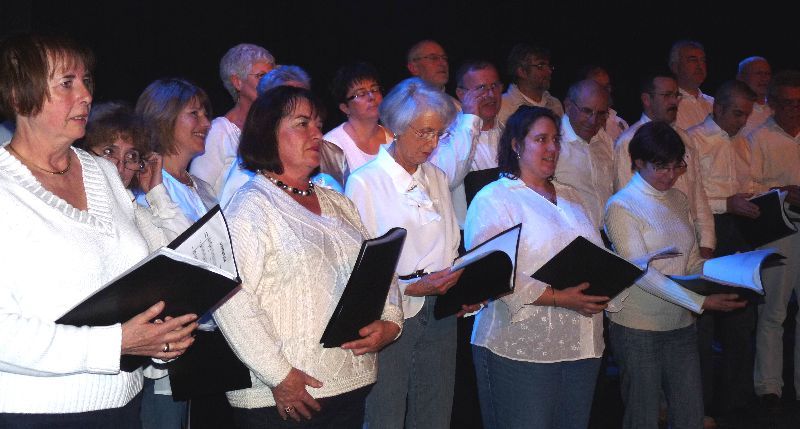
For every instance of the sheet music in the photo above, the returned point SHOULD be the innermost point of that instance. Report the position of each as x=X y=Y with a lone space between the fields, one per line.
x=211 y=244
x=505 y=242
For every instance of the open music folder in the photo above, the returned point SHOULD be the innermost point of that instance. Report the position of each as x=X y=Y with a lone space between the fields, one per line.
x=772 y=224
x=365 y=295
x=488 y=273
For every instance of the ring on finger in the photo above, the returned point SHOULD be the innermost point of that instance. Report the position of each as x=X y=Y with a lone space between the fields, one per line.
x=166 y=348
x=289 y=409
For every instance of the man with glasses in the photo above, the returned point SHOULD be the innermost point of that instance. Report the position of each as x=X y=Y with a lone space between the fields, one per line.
x=614 y=125
x=775 y=149
x=586 y=160
x=530 y=71
x=428 y=61
x=476 y=130
x=724 y=159
x=687 y=60
x=660 y=96
x=756 y=73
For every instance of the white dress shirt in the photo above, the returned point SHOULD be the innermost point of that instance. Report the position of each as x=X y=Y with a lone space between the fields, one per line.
x=724 y=163
x=587 y=167
x=354 y=155
x=615 y=125
x=222 y=145
x=454 y=156
x=775 y=157
x=508 y=326
x=689 y=183
x=513 y=98
x=387 y=196
x=761 y=112
x=693 y=110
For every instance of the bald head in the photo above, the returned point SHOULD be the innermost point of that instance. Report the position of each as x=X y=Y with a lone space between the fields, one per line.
x=587 y=108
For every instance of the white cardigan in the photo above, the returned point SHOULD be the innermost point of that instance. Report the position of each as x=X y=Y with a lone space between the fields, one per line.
x=54 y=256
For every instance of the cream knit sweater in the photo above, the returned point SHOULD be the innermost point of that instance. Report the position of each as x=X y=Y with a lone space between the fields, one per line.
x=53 y=257
x=294 y=266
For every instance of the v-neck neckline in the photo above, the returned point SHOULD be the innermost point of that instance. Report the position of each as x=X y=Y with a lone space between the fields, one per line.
x=98 y=207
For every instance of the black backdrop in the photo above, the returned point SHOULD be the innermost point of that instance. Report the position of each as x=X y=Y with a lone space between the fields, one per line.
x=139 y=41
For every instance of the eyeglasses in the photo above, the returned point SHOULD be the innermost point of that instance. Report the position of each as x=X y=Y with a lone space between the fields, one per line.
x=430 y=135
x=678 y=168
x=365 y=92
x=432 y=58
x=486 y=87
x=676 y=95
x=131 y=160
x=542 y=66
x=600 y=115
x=258 y=75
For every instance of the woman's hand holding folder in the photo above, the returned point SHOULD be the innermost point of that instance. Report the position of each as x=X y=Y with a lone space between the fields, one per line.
x=166 y=340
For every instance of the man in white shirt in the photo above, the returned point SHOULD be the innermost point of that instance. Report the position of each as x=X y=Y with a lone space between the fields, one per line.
x=659 y=96
x=775 y=156
x=531 y=72
x=756 y=73
x=687 y=60
x=428 y=61
x=724 y=159
x=614 y=125
x=586 y=160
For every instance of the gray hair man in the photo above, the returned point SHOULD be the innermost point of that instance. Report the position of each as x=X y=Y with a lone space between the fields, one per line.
x=756 y=73
x=687 y=60
x=531 y=72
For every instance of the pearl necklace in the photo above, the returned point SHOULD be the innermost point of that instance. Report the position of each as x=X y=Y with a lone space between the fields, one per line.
x=285 y=187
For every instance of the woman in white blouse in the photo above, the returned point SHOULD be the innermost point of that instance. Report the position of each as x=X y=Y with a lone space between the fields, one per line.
x=357 y=89
x=652 y=332
x=295 y=244
x=241 y=68
x=176 y=112
x=401 y=188
x=537 y=350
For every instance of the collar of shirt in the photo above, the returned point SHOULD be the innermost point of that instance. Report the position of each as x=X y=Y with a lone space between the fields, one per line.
x=412 y=186
x=686 y=95
x=568 y=133
x=639 y=183
x=514 y=89
x=709 y=127
x=773 y=125
x=401 y=179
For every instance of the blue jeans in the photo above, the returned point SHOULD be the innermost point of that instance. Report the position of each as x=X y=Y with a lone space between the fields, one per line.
x=650 y=361
x=160 y=411
x=517 y=394
x=416 y=374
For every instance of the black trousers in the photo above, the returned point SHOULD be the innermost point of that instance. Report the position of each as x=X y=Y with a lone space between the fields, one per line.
x=126 y=417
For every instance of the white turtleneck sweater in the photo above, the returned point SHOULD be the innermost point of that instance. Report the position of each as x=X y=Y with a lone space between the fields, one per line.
x=641 y=220
x=54 y=256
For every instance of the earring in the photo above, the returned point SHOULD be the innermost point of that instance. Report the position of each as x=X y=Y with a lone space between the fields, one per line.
x=517 y=153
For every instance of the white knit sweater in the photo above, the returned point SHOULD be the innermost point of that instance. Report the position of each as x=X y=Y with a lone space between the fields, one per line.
x=53 y=257
x=294 y=266
x=641 y=220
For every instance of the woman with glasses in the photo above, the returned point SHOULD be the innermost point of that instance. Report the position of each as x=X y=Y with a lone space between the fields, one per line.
x=115 y=133
x=240 y=69
x=652 y=332
x=357 y=89
x=401 y=188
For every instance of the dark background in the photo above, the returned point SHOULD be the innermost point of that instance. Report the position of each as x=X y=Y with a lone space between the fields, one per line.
x=139 y=41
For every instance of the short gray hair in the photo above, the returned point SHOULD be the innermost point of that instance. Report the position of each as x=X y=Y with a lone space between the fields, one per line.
x=238 y=61
x=280 y=75
x=583 y=87
x=674 y=52
x=411 y=98
x=746 y=62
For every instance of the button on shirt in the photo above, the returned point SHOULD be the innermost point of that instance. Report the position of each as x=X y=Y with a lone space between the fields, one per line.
x=775 y=157
x=508 y=326
x=724 y=163
x=693 y=110
x=587 y=167
x=387 y=196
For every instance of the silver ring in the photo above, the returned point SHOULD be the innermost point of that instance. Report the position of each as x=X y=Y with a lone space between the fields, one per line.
x=166 y=348
x=289 y=409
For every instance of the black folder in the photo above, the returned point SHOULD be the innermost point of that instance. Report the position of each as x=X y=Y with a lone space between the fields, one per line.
x=474 y=181
x=771 y=225
x=581 y=261
x=185 y=284
x=365 y=295
x=488 y=276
